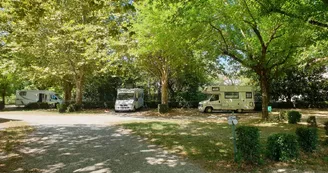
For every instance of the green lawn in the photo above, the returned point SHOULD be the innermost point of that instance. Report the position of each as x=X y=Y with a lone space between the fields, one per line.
x=209 y=144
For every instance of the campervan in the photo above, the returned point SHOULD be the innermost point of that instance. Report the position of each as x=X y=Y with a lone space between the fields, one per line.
x=129 y=99
x=25 y=97
x=235 y=98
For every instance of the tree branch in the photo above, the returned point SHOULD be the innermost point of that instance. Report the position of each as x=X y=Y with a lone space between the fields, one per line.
x=221 y=34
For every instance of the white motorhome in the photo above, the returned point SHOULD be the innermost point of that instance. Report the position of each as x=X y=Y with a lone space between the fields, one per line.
x=129 y=99
x=235 y=98
x=25 y=97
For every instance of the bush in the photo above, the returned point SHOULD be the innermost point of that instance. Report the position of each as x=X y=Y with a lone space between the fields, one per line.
x=248 y=143
x=326 y=127
x=163 y=108
x=44 y=105
x=312 y=122
x=62 y=107
x=294 y=117
x=73 y=107
x=282 y=115
x=282 y=147
x=34 y=105
x=307 y=138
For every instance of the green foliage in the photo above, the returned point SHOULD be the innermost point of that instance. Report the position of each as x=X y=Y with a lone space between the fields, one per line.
x=326 y=127
x=62 y=107
x=163 y=108
x=312 y=122
x=248 y=144
x=282 y=147
x=294 y=117
x=307 y=138
x=37 y=105
x=73 y=107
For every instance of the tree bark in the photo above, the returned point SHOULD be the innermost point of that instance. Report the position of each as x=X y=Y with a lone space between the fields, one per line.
x=67 y=91
x=265 y=95
x=3 y=94
x=79 y=88
x=164 y=84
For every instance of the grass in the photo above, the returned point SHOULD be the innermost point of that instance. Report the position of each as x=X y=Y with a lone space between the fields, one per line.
x=209 y=144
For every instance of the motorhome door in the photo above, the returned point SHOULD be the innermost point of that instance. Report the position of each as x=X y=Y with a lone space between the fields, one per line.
x=215 y=101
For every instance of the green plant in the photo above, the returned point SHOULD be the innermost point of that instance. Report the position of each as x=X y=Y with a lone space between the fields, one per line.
x=43 y=105
x=282 y=147
x=312 y=122
x=163 y=108
x=282 y=115
x=307 y=138
x=326 y=127
x=62 y=107
x=34 y=105
x=294 y=117
x=73 y=107
x=248 y=144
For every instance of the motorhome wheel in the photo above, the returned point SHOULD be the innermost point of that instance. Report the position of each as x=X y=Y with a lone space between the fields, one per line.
x=208 y=109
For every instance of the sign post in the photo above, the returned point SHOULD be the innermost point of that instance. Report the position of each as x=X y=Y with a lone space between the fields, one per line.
x=232 y=120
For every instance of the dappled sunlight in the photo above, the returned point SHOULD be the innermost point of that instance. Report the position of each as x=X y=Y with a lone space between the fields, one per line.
x=95 y=149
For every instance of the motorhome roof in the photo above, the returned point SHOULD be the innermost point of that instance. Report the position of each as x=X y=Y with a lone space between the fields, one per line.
x=222 y=88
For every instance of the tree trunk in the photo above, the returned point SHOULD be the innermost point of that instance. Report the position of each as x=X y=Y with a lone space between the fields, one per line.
x=67 y=91
x=79 y=88
x=265 y=95
x=164 y=84
x=3 y=94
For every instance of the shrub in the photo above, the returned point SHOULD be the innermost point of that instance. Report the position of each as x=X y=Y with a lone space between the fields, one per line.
x=312 y=122
x=34 y=105
x=163 y=108
x=44 y=105
x=326 y=127
x=248 y=143
x=307 y=138
x=294 y=117
x=282 y=147
x=73 y=107
x=62 y=107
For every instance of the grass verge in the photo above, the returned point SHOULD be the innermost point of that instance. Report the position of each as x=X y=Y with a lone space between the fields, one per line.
x=210 y=145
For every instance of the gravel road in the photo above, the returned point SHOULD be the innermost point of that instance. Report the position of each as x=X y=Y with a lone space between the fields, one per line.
x=88 y=143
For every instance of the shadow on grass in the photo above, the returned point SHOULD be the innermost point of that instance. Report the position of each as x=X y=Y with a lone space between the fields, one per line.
x=90 y=149
x=206 y=143
x=210 y=144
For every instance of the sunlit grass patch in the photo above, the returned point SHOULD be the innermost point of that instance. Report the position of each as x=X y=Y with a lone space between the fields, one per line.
x=11 y=137
x=210 y=144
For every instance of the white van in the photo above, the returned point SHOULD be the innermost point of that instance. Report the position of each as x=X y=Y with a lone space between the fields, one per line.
x=129 y=99
x=25 y=97
x=235 y=98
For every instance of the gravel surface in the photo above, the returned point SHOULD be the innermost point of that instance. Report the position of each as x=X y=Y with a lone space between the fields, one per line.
x=87 y=143
x=96 y=149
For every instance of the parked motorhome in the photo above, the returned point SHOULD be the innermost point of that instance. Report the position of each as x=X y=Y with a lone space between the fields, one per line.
x=25 y=97
x=235 y=98
x=129 y=99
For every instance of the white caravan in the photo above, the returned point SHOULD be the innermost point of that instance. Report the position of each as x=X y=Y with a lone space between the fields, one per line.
x=129 y=99
x=236 y=98
x=25 y=97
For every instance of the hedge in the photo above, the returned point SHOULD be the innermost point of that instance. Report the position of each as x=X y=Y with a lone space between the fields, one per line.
x=307 y=138
x=282 y=147
x=248 y=144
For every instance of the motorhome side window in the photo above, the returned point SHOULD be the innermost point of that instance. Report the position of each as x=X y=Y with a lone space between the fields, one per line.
x=249 y=95
x=231 y=95
x=22 y=93
x=215 y=98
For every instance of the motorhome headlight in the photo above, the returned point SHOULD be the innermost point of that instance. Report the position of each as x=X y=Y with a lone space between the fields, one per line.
x=200 y=105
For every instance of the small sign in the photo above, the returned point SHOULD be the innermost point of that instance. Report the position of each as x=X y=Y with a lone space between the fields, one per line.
x=269 y=109
x=232 y=120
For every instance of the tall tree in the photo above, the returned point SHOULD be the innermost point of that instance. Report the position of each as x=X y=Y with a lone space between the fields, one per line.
x=265 y=44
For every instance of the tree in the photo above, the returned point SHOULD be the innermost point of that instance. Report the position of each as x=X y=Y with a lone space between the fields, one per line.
x=163 y=41
x=67 y=40
x=265 y=44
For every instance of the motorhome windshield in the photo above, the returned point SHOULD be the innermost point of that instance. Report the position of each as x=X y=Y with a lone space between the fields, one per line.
x=125 y=96
x=58 y=96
